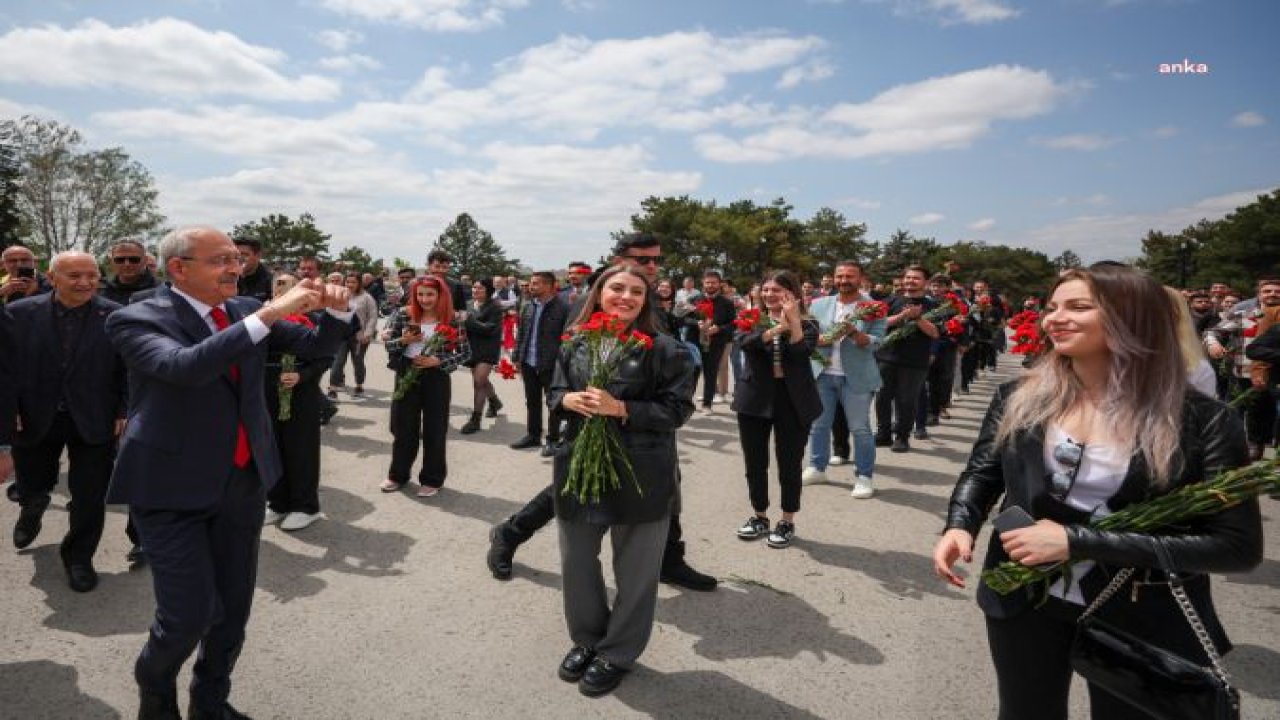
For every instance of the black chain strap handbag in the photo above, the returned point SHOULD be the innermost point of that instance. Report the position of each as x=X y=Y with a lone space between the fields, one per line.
x=1157 y=681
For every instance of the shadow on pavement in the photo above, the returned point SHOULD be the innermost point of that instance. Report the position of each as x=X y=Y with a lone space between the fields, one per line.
x=903 y=574
x=348 y=548
x=924 y=502
x=917 y=476
x=121 y=604
x=45 y=689
x=1253 y=669
x=1267 y=574
x=699 y=694
x=487 y=509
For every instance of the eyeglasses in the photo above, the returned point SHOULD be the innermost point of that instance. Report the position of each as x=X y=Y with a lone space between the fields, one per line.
x=122 y=259
x=1069 y=454
x=219 y=261
x=645 y=259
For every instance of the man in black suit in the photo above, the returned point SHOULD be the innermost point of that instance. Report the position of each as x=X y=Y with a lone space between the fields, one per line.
x=198 y=454
x=719 y=331
x=255 y=278
x=67 y=386
x=542 y=321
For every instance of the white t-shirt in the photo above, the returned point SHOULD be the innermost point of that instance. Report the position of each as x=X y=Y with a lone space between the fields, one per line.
x=413 y=350
x=1098 y=479
x=843 y=310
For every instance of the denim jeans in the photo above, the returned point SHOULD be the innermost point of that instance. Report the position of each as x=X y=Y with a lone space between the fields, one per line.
x=835 y=389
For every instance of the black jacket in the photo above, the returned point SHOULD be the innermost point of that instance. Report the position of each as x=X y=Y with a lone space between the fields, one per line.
x=555 y=315
x=484 y=332
x=120 y=294
x=753 y=393
x=723 y=318
x=94 y=385
x=657 y=386
x=256 y=284
x=1266 y=348
x=1230 y=541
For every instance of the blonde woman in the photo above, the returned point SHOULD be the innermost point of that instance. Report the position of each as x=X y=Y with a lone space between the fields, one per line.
x=1200 y=373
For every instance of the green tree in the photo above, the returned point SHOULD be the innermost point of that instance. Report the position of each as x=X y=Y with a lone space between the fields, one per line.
x=399 y=262
x=356 y=259
x=1244 y=246
x=830 y=238
x=901 y=250
x=10 y=216
x=1066 y=260
x=1013 y=272
x=72 y=198
x=474 y=250
x=286 y=241
x=1171 y=259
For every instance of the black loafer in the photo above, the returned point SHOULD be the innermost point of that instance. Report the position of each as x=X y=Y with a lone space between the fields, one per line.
x=900 y=445
x=575 y=663
x=25 y=531
x=500 y=554
x=526 y=442
x=883 y=441
x=226 y=712
x=600 y=678
x=82 y=577
x=680 y=574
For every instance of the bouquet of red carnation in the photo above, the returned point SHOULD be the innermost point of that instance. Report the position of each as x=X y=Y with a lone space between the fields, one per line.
x=864 y=311
x=952 y=306
x=444 y=339
x=597 y=451
x=749 y=318
x=1024 y=317
x=288 y=364
x=955 y=327
x=706 y=310
x=1027 y=339
x=982 y=303
x=506 y=369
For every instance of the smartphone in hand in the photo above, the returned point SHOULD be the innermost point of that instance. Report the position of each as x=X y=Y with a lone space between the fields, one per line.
x=1012 y=518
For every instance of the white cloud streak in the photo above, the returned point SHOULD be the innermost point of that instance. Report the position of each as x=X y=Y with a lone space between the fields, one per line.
x=432 y=15
x=1248 y=119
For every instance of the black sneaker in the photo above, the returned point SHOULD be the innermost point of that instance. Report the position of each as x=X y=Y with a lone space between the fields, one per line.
x=920 y=434
x=900 y=445
x=883 y=440
x=754 y=528
x=782 y=534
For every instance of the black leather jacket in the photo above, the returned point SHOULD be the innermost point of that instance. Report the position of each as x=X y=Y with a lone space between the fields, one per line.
x=657 y=386
x=1229 y=541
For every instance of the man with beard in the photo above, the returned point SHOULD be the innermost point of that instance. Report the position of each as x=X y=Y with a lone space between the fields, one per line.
x=718 y=331
x=904 y=364
x=645 y=252
x=128 y=260
x=255 y=278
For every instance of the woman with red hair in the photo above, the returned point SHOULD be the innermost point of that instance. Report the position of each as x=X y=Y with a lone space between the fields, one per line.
x=423 y=348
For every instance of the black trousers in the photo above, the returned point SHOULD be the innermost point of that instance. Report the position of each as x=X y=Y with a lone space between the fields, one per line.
x=790 y=436
x=537 y=384
x=1259 y=414
x=298 y=489
x=898 y=399
x=421 y=416
x=941 y=378
x=36 y=467
x=1032 y=656
x=969 y=366
x=711 y=368
x=204 y=564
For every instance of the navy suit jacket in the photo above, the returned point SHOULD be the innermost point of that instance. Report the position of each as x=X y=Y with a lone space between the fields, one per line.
x=184 y=407
x=94 y=384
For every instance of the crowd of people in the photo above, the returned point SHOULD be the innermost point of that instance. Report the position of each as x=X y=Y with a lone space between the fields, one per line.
x=101 y=366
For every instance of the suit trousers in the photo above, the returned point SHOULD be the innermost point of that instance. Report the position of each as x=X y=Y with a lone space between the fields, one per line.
x=619 y=633
x=711 y=368
x=537 y=383
x=36 y=467
x=898 y=398
x=790 y=436
x=204 y=564
x=421 y=416
x=942 y=377
x=539 y=511
x=1032 y=656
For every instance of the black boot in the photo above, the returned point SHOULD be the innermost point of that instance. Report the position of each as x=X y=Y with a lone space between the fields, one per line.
x=158 y=707
x=494 y=406
x=472 y=425
x=675 y=571
x=501 y=553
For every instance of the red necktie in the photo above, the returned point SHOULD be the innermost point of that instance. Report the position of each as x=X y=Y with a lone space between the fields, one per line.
x=243 y=453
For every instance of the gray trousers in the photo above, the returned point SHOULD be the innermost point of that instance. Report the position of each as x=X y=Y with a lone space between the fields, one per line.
x=619 y=634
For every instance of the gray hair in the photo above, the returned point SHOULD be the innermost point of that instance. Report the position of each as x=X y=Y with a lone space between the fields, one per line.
x=181 y=242
x=136 y=242
x=67 y=255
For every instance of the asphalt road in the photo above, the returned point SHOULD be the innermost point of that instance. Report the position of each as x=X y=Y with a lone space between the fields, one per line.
x=385 y=608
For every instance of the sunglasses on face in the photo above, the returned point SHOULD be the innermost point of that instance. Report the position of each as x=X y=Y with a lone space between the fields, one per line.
x=122 y=259
x=645 y=259
x=1068 y=454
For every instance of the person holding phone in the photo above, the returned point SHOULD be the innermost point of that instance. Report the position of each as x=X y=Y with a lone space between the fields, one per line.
x=421 y=415
x=776 y=394
x=20 y=277
x=1103 y=420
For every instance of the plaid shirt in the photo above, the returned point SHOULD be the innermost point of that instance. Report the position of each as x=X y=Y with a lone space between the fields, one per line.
x=1230 y=335
x=449 y=359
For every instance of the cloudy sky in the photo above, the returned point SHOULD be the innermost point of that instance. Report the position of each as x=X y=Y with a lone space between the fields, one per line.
x=1040 y=123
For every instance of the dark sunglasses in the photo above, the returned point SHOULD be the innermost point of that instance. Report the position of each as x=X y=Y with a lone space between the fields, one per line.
x=122 y=259
x=646 y=259
x=1069 y=454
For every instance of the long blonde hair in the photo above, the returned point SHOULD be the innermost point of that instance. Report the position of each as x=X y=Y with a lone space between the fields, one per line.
x=1188 y=343
x=1147 y=378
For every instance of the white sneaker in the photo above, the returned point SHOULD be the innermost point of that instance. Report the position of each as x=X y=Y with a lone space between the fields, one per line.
x=298 y=520
x=836 y=461
x=862 y=488
x=813 y=476
x=720 y=398
x=272 y=517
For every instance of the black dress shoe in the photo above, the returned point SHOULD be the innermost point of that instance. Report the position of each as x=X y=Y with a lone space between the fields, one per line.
x=11 y=491
x=82 y=577
x=30 y=520
x=136 y=557
x=226 y=712
x=679 y=573
x=500 y=554
x=158 y=707
x=526 y=442
x=549 y=450
x=575 y=663
x=900 y=445
x=600 y=678
x=883 y=440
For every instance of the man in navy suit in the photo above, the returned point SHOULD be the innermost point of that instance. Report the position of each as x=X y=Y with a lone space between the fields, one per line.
x=198 y=454
x=67 y=390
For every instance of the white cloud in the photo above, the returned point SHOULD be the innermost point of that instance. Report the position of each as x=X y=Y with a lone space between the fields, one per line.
x=929 y=218
x=12 y=110
x=809 y=72
x=1077 y=141
x=349 y=63
x=939 y=113
x=1248 y=119
x=859 y=203
x=974 y=12
x=339 y=40
x=983 y=224
x=166 y=57
x=1164 y=132
x=435 y=15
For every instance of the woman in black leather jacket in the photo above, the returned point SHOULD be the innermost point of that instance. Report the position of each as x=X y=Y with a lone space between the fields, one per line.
x=1104 y=420
x=484 y=332
x=651 y=396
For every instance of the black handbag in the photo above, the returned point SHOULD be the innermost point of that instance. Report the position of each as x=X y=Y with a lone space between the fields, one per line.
x=1157 y=681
